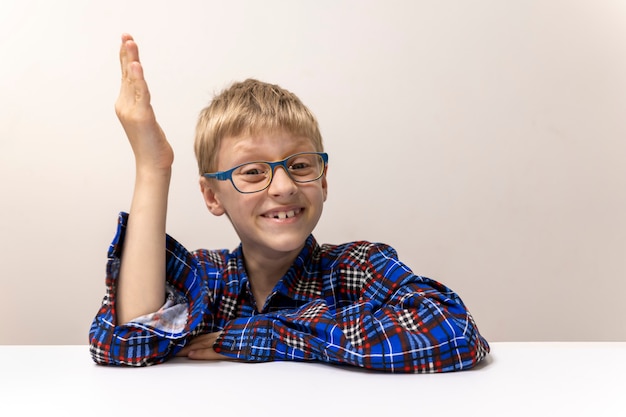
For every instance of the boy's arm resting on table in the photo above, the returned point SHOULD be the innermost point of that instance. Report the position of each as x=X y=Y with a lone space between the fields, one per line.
x=401 y=323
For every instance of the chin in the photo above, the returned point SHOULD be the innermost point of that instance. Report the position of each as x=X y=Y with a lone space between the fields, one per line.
x=287 y=243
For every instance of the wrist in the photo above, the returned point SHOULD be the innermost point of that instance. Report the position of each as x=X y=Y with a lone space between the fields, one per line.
x=153 y=174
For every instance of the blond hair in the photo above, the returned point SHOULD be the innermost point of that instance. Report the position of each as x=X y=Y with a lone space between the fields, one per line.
x=250 y=107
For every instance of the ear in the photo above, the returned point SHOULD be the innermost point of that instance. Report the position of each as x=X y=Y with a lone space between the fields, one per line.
x=210 y=197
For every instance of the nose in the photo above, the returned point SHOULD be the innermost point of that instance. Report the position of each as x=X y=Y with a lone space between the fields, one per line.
x=282 y=184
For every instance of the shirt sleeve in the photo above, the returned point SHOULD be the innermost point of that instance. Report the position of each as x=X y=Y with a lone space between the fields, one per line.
x=401 y=323
x=155 y=337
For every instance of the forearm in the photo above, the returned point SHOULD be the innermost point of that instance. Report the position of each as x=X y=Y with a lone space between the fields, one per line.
x=141 y=286
x=379 y=342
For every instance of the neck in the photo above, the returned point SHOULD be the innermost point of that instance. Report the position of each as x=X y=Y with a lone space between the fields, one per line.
x=264 y=273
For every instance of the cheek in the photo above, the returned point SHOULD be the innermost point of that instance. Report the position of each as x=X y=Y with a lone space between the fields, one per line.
x=318 y=196
x=240 y=204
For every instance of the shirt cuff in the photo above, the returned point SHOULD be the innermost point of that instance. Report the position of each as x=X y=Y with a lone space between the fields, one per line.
x=247 y=339
x=171 y=318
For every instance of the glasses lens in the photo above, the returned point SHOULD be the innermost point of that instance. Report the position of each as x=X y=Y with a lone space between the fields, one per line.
x=305 y=167
x=252 y=177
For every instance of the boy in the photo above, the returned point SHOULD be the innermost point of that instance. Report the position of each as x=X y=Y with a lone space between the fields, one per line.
x=279 y=295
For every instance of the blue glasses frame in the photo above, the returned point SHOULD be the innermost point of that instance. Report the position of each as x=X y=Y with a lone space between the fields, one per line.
x=228 y=175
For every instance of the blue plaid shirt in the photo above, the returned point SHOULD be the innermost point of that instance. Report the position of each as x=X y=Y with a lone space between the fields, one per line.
x=350 y=304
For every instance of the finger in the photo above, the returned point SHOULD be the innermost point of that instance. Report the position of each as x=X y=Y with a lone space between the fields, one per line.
x=135 y=71
x=129 y=54
x=202 y=342
x=193 y=347
x=205 y=355
x=123 y=55
x=184 y=351
x=205 y=341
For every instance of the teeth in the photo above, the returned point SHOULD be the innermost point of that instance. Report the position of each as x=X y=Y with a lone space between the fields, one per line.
x=286 y=214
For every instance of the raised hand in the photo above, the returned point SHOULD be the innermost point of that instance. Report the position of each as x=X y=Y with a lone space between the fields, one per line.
x=133 y=109
x=141 y=285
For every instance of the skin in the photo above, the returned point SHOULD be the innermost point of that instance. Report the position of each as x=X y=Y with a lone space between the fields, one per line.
x=270 y=245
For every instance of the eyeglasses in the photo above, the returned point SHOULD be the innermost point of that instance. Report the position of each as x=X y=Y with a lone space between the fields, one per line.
x=253 y=177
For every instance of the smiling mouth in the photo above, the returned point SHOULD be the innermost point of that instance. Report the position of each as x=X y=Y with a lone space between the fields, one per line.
x=283 y=214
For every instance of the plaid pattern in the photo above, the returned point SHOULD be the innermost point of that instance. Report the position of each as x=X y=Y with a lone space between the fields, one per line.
x=352 y=304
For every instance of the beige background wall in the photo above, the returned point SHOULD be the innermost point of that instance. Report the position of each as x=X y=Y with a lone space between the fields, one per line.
x=484 y=140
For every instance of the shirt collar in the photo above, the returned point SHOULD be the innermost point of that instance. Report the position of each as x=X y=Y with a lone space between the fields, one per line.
x=300 y=282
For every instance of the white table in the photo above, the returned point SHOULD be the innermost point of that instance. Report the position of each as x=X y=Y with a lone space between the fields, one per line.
x=518 y=379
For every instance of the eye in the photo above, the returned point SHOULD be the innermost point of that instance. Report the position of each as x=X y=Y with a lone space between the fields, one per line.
x=252 y=172
x=299 y=165
x=304 y=165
